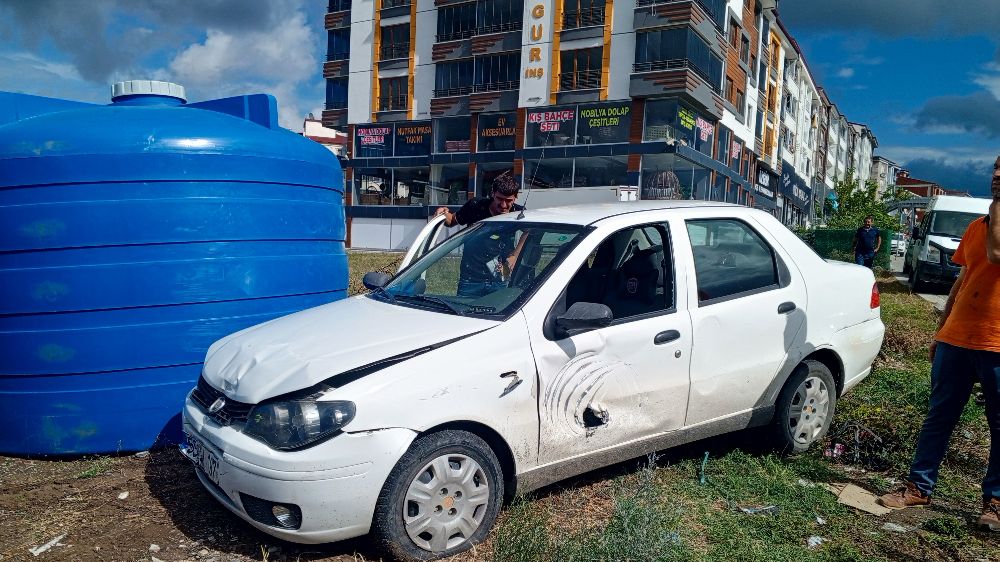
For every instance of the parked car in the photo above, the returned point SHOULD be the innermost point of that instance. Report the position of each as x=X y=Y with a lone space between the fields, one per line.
x=412 y=412
x=936 y=239
x=898 y=242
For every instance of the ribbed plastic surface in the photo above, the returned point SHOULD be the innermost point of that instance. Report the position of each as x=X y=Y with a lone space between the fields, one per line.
x=134 y=235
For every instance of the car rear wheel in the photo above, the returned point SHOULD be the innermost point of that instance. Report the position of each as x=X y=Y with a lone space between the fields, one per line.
x=442 y=497
x=805 y=407
x=917 y=285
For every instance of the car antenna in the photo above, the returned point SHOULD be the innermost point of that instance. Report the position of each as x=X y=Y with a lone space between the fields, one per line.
x=534 y=174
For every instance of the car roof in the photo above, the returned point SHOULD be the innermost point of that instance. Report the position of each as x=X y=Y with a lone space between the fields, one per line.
x=590 y=213
x=961 y=204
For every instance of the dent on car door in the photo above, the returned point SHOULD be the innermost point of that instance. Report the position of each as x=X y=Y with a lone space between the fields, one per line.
x=750 y=311
x=428 y=237
x=604 y=386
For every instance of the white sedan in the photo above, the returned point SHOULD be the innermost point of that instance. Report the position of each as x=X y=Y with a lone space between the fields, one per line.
x=522 y=351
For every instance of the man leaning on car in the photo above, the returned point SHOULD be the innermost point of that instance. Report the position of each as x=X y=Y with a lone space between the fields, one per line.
x=966 y=348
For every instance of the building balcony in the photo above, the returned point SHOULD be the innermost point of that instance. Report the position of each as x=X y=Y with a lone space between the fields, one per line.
x=454 y=36
x=496 y=86
x=337 y=55
x=455 y=91
x=580 y=80
x=386 y=4
x=674 y=64
x=667 y=10
x=500 y=27
x=392 y=103
x=583 y=18
x=336 y=104
x=394 y=51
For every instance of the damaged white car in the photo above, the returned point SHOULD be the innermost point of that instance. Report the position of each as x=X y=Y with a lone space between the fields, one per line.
x=526 y=349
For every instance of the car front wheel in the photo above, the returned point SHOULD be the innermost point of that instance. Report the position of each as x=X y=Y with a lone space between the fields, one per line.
x=442 y=497
x=805 y=407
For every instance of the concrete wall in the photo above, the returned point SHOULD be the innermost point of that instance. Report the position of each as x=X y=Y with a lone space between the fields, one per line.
x=359 y=87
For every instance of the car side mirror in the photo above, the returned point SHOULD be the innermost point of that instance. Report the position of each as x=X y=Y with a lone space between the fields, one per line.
x=585 y=315
x=375 y=280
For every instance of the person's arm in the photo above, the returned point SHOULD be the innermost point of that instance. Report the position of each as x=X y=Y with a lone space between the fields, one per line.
x=993 y=233
x=878 y=241
x=854 y=244
x=449 y=217
x=947 y=308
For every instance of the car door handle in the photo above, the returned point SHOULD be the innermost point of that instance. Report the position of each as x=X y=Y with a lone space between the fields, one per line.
x=786 y=307
x=666 y=337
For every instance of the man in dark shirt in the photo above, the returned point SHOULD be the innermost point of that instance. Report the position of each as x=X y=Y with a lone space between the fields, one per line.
x=867 y=241
x=486 y=260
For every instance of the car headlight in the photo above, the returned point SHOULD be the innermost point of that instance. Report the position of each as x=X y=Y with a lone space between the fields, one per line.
x=933 y=254
x=292 y=424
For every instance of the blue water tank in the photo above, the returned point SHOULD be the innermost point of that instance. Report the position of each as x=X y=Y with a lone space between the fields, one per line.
x=135 y=234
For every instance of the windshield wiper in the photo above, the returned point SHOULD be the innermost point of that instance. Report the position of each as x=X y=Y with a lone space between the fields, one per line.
x=383 y=291
x=438 y=301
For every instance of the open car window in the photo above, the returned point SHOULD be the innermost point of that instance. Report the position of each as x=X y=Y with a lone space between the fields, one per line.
x=489 y=269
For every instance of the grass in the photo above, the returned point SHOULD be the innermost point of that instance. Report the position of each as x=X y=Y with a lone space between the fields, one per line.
x=99 y=466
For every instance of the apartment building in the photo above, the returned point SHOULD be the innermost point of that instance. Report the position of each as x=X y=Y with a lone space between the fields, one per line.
x=579 y=100
x=861 y=149
x=884 y=173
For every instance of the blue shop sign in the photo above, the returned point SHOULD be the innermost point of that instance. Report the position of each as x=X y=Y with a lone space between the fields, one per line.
x=794 y=188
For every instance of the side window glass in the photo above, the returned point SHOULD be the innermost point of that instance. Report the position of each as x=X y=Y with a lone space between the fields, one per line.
x=730 y=258
x=630 y=272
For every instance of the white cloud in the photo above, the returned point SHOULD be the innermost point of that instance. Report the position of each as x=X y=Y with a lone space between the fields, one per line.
x=845 y=72
x=990 y=79
x=952 y=155
x=277 y=60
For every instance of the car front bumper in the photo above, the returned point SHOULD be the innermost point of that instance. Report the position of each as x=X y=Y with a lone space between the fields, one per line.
x=938 y=273
x=335 y=484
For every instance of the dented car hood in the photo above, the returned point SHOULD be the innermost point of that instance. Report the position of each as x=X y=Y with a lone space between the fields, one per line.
x=300 y=350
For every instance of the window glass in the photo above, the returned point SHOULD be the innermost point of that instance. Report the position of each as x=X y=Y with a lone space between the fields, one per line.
x=730 y=259
x=486 y=270
x=452 y=78
x=456 y=21
x=630 y=272
x=452 y=134
x=601 y=170
x=580 y=69
x=395 y=41
x=497 y=72
x=493 y=16
x=338 y=45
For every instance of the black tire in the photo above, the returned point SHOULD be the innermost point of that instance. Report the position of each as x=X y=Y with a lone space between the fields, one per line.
x=388 y=528
x=784 y=434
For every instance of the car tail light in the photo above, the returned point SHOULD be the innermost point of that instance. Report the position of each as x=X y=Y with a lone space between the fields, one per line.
x=876 y=298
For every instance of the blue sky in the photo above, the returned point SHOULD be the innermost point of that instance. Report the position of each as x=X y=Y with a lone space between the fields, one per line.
x=923 y=74
x=214 y=48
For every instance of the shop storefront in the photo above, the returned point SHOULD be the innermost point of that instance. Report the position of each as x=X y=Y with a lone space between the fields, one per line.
x=391 y=164
x=796 y=197
x=764 y=186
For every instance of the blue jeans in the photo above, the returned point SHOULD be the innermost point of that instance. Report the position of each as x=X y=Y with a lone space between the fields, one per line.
x=475 y=288
x=866 y=260
x=954 y=372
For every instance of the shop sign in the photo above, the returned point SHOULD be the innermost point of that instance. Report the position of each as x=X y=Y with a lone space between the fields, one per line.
x=551 y=127
x=735 y=149
x=686 y=118
x=536 y=41
x=496 y=132
x=793 y=187
x=413 y=139
x=704 y=129
x=604 y=123
x=765 y=183
x=373 y=141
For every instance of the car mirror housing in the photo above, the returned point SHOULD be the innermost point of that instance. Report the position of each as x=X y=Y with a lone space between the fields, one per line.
x=585 y=315
x=375 y=280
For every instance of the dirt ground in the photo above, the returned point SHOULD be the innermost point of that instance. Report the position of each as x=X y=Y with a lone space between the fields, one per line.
x=166 y=515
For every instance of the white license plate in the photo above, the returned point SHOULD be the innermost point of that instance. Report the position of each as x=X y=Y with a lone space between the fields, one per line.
x=202 y=456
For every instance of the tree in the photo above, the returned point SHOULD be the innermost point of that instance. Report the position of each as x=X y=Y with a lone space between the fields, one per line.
x=857 y=201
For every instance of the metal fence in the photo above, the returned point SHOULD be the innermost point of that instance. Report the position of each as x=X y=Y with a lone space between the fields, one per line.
x=836 y=243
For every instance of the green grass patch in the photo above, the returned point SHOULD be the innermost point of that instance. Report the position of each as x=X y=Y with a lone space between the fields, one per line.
x=98 y=467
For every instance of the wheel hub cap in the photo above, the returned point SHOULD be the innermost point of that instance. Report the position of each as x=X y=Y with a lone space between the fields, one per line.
x=809 y=410
x=446 y=502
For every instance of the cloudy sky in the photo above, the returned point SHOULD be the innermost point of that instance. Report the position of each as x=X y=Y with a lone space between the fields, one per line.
x=923 y=74
x=75 y=49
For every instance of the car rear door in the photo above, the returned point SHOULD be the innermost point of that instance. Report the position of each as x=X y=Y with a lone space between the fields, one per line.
x=748 y=308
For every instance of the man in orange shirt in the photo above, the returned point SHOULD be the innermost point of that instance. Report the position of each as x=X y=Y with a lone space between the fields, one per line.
x=965 y=349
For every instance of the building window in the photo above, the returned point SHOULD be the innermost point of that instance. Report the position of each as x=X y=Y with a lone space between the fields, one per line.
x=674 y=122
x=497 y=72
x=452 y=134
x=745 y=50
x=456 y=21
x=453 y=78
x=338 y=44
x=394 y=3
x=582 y=13
x=734 y=35
x=677 y=48
x=338 y=5
x=395 y=42
x=716 y=9
x=494 y=16
x=393 y=94
x=336 y=93
x=581 y=69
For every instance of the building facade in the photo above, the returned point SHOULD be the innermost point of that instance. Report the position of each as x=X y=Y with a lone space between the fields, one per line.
x=579 y=100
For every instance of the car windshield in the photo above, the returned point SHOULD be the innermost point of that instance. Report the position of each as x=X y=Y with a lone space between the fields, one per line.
x=951 y=223
x=489 y=269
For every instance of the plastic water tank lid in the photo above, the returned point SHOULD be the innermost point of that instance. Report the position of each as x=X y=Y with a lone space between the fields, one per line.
x=147 y=87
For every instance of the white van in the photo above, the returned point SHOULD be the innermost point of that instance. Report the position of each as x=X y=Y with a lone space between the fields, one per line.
x=929 y=257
